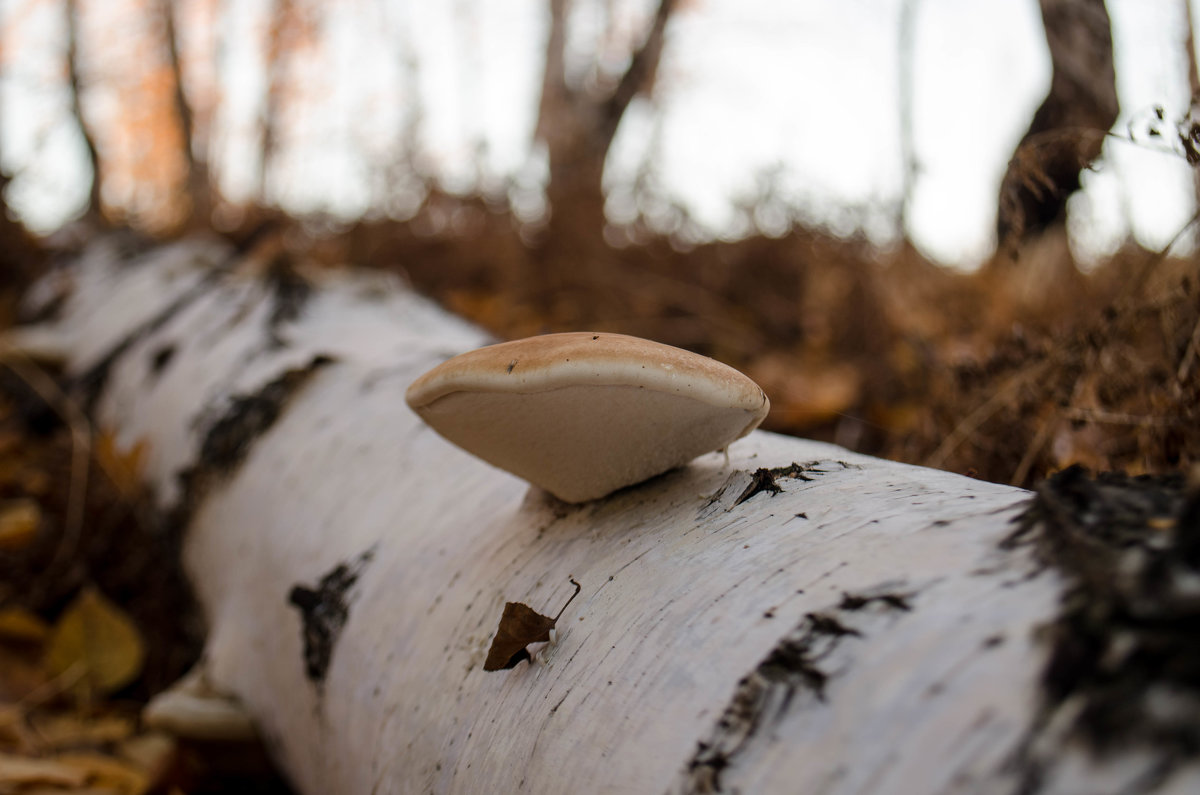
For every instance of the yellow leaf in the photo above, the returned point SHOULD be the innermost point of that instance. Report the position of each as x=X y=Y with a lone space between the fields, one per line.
x=19 y=522
x=96 y=639
x=153 y=753
x=13 y=734
x=123 y=467
x=19 y=625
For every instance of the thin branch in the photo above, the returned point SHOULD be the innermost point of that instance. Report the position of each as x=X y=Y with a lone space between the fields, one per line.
x=640 y=74
x=1141 y=278
x=1100 y=416
x=1189 y=356
x=1032 y=452
x=982 y=413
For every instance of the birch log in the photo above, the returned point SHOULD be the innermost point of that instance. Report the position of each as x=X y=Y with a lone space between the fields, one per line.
x=860 y=631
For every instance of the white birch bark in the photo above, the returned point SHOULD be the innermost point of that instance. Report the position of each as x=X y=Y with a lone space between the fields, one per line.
x=859 y=632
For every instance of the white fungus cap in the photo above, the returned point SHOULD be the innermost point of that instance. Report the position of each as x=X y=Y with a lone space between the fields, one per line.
x=584 y=414
x=191 y=708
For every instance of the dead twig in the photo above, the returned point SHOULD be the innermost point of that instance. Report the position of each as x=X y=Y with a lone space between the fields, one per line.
x=1118 y=418
x=1032 y=452
x=969 y=424
x=1189 y=356
x=1143 y=275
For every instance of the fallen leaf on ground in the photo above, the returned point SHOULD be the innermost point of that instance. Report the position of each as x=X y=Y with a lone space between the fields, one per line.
x=60 y=731
x=95 y=634
x=123 y=467
x=153 y=753
x=21 y=771
x=105 y=771
x=19 y=625
x=19 y=522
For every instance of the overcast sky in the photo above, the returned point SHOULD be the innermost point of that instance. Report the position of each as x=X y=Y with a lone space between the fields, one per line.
x=805 y=91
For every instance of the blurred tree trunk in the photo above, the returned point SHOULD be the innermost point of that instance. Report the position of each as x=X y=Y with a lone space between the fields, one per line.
x=197 y=181
x=1193 y=82
x=20 y=253
x=279 y=41
x=577 y=124
x=95 y=210
x=1068 y=130
x=909 y=167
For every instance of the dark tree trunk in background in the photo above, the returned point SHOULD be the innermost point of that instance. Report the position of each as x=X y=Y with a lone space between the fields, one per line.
x=1189 y=44
x=577 y=124
x=95 y=210
x=20 y=254
x=197 y=180
x=909 y=166
x=1067 y=131
x=280 y=38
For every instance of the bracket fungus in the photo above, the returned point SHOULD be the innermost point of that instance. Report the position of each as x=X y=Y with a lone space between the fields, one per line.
x=583 y=414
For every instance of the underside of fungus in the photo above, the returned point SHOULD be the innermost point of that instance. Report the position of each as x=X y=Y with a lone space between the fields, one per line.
x=584 y=414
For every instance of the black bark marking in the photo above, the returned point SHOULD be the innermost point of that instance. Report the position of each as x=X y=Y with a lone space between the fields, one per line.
x=248 y=417
x=161 y=358
x=1128 y=633
x=290 y=293
x=764 y=696
x=230 y=438
x=765 y=479
x=885 y=596
x=324 y=611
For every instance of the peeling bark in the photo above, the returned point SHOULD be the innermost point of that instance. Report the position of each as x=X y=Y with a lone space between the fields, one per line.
x=791 y=617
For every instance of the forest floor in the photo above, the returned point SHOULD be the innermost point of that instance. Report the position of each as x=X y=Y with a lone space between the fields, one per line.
x=1007 y=374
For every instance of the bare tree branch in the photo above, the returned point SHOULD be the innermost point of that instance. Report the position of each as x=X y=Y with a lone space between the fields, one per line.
x=95 y=208
x=641 y=72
